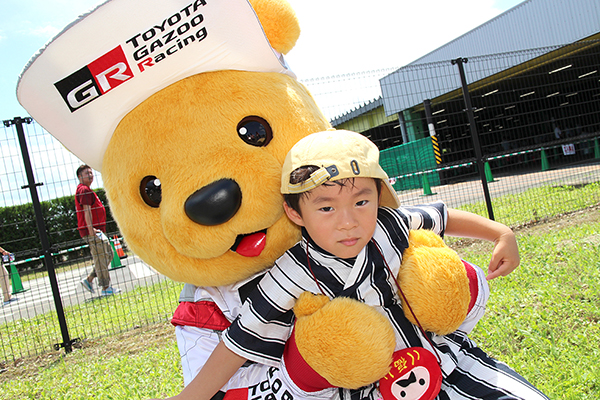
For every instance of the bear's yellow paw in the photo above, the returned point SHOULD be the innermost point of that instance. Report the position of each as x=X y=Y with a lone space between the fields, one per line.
x=347 y=342
x=434 y=280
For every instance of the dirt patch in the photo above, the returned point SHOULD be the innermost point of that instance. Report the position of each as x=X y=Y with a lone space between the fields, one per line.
x=131 y=342
x=588 y=215
x=562 y=221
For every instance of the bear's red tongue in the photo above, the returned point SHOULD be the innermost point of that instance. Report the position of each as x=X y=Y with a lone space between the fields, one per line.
x=252 y=245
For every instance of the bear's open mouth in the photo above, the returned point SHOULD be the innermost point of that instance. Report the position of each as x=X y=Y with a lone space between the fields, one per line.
x=250 y=245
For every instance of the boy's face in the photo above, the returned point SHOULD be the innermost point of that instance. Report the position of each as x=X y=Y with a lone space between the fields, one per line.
x=340 y=219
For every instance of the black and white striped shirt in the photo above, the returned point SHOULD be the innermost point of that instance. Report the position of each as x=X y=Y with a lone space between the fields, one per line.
x=260 y=331
x=266 y=319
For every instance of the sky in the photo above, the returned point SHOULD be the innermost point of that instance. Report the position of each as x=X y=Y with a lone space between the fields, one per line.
x=338 y=36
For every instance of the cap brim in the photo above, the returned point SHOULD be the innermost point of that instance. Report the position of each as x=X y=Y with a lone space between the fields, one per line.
x=389 y=198
x=86 y=79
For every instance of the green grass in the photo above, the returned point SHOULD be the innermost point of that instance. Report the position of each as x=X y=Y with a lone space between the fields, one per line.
x=137 y=365
x=542 y=319
x=98 y=318
x=539 y=203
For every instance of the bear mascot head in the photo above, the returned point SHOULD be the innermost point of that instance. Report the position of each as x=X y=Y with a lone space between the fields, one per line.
x=188 y=110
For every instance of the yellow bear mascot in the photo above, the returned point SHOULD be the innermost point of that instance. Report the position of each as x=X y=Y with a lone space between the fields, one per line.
x=188 y=109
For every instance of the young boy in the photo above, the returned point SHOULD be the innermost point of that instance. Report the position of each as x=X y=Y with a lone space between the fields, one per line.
x=353 y=238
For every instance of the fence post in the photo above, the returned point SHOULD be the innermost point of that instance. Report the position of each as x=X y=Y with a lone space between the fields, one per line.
x=41 y=226
x=596 y=149
x=432 y=133
x=474 y=135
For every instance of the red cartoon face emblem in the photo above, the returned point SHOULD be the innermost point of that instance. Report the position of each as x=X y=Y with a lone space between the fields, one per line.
x=415 y=375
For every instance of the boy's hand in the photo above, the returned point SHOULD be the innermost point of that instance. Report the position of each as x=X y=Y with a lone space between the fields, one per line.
x=505 y=257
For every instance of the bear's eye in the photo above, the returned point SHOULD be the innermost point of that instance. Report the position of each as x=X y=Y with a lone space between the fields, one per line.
x=151 y=191
x=255 y=131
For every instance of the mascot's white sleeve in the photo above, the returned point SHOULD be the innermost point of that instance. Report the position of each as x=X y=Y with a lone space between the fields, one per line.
x=196 y=342
x=195 y=346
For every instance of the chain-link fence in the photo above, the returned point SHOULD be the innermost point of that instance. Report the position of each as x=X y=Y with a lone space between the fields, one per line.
x=491 y=129
x=53 y=309
x=512 y=136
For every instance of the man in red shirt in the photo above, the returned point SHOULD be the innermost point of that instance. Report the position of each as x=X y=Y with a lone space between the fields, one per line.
x=91 y=223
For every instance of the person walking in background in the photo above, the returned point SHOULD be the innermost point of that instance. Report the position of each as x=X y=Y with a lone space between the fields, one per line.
x=4 y=282
x=91 y=223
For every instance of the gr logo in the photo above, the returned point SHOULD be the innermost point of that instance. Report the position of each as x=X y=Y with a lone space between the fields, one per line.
x=95 y=79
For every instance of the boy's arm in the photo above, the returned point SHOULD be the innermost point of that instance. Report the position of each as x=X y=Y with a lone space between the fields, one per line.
x=219 y=368
x=505 y=257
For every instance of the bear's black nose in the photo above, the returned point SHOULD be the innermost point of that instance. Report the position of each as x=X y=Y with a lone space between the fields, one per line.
x=214 y=204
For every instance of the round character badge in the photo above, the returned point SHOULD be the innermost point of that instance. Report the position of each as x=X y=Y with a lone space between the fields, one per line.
x=415 y=375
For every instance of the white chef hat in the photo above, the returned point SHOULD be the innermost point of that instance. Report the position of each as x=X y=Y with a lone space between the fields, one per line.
x=104 y=64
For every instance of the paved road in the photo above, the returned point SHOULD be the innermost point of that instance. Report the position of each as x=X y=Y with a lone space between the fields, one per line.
x=37 y=297
x=472 y=191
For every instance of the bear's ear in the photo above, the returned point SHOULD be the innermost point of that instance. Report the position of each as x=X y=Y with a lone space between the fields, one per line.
x=279 y=23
